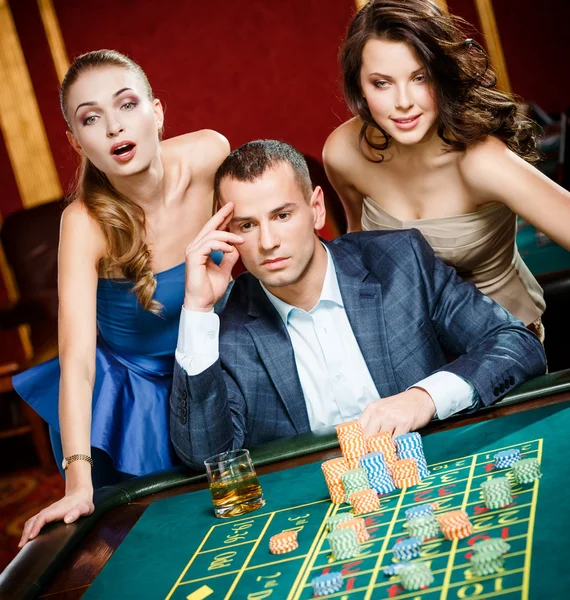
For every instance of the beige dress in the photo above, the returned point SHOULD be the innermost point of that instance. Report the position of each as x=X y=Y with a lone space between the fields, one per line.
x=482 y=248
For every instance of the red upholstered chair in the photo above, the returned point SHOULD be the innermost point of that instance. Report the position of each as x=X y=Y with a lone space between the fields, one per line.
x=30 y=240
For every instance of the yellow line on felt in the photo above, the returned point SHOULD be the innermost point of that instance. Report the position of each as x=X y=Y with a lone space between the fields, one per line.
x=501 y=473
x=489 y=512
x=445 y=462
x=296 y=588
x=267 y=514
x=421 y=486
x=526 y=578
x=251 y=553
x=420 y=593
x=451 y=558
x=380 y=558
x=260 y=566
x=188 y=565
x=437 y=571
x=226 y=547
x=200 y=593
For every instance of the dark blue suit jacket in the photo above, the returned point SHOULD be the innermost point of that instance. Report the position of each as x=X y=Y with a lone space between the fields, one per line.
x=408 y=311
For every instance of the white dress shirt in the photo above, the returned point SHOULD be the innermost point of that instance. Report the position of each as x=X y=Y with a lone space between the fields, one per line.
x=334 y=377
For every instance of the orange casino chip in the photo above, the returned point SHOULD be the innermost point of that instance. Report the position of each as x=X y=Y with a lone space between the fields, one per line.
x=332 y=470
x=455 y=524
x=352 y=443
x=364 y=501
x=382 y=442
x=405 y=472
x=283 y=542
x=359 y=526
x=406 y=482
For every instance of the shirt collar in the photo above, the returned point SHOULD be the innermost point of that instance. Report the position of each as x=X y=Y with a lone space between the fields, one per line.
x=330 y=292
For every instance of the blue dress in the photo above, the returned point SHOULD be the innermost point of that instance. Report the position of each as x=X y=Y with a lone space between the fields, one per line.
x=134 y=366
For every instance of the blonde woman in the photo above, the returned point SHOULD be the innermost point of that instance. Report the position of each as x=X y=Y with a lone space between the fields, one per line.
x=139 y=202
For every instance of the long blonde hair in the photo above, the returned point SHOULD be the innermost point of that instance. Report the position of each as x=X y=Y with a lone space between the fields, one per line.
x=121 y=220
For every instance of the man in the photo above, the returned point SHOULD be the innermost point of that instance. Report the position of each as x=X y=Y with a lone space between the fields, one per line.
x=320 y=333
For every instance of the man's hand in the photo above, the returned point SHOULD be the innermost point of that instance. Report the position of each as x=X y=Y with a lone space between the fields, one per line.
x=206 y=282
x=398 y=414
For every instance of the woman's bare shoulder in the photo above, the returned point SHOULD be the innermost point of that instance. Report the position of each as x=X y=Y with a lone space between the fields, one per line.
x=482 y=164
x=78 y=226
x=342 y=147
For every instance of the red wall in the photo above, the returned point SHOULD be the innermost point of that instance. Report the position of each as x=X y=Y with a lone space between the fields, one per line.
x=248 y=69
x=256 y=68
x=536 y=44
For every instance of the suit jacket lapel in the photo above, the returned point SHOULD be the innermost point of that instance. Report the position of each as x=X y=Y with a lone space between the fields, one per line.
x=363 y=302
x=274 y=346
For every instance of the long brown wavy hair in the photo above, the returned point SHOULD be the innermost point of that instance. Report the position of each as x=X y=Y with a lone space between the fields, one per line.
x=121 y=220
x=470 y=107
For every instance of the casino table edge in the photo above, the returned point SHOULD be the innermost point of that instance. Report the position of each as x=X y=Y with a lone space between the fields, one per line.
x=41 y=558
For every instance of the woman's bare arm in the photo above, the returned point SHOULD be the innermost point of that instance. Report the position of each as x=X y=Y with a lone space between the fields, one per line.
x=81 y=247
x=337 y=159
x=495 y=173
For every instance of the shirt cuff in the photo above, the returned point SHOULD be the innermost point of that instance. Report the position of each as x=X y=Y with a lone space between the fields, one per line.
x=198 y=341
x=449 y=392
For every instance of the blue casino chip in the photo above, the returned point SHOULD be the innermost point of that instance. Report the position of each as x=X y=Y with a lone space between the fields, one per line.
x=326 y=584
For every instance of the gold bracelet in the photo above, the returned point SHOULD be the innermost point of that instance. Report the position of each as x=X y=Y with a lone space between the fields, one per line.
x=67 y=461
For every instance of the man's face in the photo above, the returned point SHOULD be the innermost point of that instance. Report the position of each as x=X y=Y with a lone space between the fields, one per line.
x=277 y=223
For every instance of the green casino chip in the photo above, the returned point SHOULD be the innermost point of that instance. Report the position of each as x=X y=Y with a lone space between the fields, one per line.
x=415 y=576
x=334 y=521
x=527 y=470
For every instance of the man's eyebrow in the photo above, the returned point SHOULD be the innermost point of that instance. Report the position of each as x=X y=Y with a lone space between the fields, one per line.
x=275 y=211
x=284 y=207
x=93 y=103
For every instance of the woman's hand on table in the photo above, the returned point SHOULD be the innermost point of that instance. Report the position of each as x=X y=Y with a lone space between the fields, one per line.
x=73 y=505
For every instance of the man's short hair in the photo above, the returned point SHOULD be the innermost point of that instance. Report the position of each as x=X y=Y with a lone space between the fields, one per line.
x=250 y=161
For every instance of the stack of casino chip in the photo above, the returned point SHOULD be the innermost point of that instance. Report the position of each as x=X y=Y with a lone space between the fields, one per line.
x=424 y=528
x=416 y=576
x=326 y=584
x=527 y=470
x=354 y=481
x=395 y=568
x=364 y=501
x=344 y=543
x=407 y=549
x=486 y=564
x=405 y=473
x=421 y=510
x=382 y=442
x=283 y=542
x=334 y=521
x=455 y=524
x=487 y=557
x=332 y=470
x=410 y=446
x=507 y=458
x=359 y=527
x=491 y=545
x=374 y=463
x=352 y=442
x=497 y=492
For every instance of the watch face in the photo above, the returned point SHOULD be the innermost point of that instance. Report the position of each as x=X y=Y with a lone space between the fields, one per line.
x=64 y=464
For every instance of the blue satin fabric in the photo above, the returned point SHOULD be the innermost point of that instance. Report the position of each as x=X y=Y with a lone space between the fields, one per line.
x=134 y=366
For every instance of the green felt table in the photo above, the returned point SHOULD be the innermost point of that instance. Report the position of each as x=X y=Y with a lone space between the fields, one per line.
x=156 y=537
x=541 y=255
x=179 y=549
